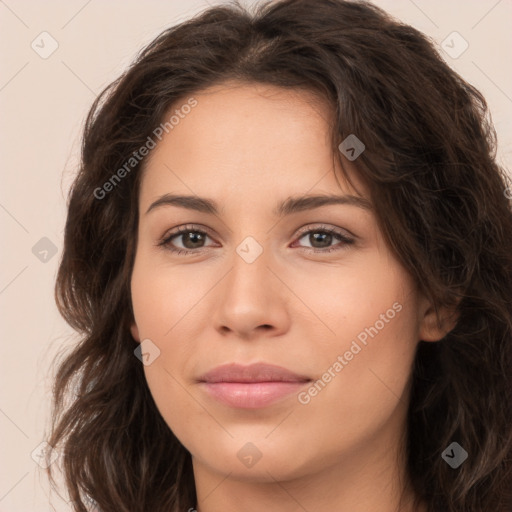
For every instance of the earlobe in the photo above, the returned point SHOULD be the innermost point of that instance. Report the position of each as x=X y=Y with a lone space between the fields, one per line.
x=135 y=332
x=433 y=328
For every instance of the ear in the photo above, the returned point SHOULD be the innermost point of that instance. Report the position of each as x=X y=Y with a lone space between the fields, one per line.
x=135 y=332
x=433 y=328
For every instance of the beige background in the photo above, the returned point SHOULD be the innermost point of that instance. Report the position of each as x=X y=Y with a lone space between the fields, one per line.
x=43 y=104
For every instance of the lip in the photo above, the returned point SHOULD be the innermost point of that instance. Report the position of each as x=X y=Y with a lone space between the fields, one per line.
x=257 y=372
x=251 y=387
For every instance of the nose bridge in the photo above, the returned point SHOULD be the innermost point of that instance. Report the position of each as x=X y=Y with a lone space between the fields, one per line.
x=253 y=263
x=250 y=295
x=250 y=272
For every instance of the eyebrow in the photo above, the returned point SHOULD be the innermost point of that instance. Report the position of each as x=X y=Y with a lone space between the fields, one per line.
x=289 y=206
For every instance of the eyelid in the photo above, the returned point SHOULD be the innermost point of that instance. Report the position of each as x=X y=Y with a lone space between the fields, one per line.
x=304 y=229
x=321 y=227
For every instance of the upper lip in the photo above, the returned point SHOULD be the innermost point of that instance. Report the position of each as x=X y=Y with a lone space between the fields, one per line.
x=258 y=372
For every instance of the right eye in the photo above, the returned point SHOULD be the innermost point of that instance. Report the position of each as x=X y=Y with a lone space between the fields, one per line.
x=184 y=234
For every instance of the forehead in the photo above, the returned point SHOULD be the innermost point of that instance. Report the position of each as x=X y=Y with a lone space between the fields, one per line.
x=248 y=139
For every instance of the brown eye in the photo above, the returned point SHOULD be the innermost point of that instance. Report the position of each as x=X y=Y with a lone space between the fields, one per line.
x=321 y=238
x=191 y=239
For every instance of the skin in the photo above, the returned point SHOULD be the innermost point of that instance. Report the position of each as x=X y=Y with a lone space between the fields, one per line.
x=249 y=147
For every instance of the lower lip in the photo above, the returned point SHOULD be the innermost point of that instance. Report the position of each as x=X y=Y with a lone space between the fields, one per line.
x=251 y=395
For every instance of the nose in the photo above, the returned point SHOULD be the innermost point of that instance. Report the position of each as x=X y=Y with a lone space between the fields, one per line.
x=252 y=300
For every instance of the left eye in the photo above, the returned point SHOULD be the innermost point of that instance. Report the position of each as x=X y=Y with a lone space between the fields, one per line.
x=193 y=238
x=324 y=236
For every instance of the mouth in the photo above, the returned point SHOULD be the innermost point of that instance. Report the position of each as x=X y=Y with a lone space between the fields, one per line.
x=251 y=387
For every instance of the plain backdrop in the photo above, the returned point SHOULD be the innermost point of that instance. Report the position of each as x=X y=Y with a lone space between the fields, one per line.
x=44 y=100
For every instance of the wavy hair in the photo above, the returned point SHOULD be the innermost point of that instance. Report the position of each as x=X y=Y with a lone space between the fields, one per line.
x=441 y=201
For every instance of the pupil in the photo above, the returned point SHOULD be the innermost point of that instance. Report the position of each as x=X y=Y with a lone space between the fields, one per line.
x=192 y=237
x=316 y=236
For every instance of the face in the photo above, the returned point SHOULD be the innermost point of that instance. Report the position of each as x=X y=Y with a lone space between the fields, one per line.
x=311 y=288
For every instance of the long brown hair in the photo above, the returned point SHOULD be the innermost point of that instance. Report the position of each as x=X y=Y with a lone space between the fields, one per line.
x=441 y=202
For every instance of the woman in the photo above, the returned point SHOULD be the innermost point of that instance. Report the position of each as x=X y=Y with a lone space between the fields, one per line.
x=259 y=334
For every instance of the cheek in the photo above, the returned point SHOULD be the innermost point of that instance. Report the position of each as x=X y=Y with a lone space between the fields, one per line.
x=163 y=297
x=166 y=312
x=365 y=363
x=363 y=394
x=372 y=299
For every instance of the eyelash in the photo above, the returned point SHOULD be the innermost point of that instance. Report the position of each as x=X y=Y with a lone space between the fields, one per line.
x=165 y=241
